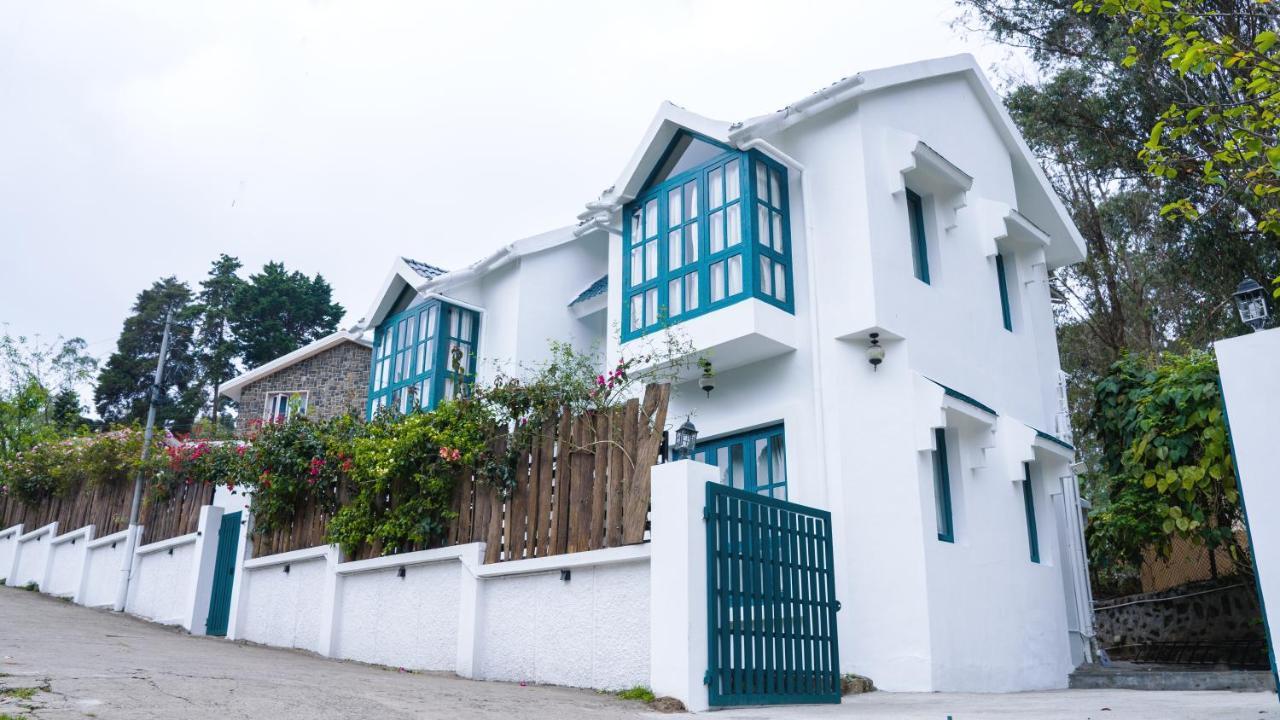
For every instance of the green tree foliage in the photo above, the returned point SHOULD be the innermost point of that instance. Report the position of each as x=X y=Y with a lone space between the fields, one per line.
x=277 y=312
x=124 y=385
x=1165 y=456
x=38 y=400
x=218 y=347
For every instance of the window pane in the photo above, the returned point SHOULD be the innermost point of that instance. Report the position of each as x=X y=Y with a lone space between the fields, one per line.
x=691 y=200
x=775 y=197
x=717 y=281
x=762 y=190
x=651 y=260
x=637 y=265
x=635 y=226
x=674 y=241
x=762 y=462
x=717 y=231
x=735 y=274
x=777 y=231
x=651 y=218
x=691 y=242
x=691 y=291
x=674 y=213
x=715 y=188
x=766 y=275
x=423 y=324
x=675 y=297
x=428 y=355
x=637 y=312
x=735 y=224
x=731 y=180
x=726 y=470
x=737 y=471
x=778 y=456
x=780 y=281
x=762 y=224
x=651 y=306
x=454 y=323
x=468 y=323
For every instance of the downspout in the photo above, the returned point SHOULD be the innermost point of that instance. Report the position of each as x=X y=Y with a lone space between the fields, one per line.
x=819 y=399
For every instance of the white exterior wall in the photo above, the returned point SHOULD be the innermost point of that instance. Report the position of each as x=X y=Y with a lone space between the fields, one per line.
x=8 y=551
x=32 y=556
x=409 y=622
x=66 y=562
x=283 y=608
x=102 y=563
x=161 y=589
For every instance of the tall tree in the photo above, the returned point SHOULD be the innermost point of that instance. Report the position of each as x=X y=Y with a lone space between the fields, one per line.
x=216 y=342
x=37 y=388
x=279 y=311
x=125 y=382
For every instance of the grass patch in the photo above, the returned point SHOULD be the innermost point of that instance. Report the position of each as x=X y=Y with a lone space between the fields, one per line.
x=21 y=693
x=7 y=716
x=32 y=586
x=639 y=692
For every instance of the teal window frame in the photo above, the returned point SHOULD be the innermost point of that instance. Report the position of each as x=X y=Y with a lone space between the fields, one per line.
x=1003 y=282
x=919 y=238
x=756 y=449
x=413 y=357
x=942 y=487
x=650 y=248
x=1029 y=505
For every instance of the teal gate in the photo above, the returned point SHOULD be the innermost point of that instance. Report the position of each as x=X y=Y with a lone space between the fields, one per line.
x=771 y=605
x=224 y=575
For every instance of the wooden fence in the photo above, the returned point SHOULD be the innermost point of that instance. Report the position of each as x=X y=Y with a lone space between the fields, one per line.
x=582 y=485
x=106 y=507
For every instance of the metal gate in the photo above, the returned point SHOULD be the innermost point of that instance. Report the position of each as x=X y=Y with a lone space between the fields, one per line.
x=771 y=606
x=224 y=575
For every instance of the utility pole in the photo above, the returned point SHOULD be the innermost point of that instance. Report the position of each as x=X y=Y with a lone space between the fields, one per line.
x=131 y=540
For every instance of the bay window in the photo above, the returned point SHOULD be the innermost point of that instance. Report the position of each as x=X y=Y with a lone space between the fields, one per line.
x=421 y=355
x=710 y=229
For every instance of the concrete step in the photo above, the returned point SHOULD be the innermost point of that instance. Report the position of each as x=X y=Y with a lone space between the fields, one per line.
x=1135 y=676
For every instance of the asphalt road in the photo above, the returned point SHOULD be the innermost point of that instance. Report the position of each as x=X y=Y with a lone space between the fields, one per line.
x=83 y=663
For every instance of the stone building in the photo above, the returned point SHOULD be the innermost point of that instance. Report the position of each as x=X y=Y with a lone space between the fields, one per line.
x=322 y=380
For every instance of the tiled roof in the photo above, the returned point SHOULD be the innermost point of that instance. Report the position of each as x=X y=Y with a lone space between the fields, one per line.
x=596 y=288
x=426 y=270
x=1054 y=440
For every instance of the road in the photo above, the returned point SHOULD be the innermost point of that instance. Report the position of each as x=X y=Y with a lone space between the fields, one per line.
x=85 y=663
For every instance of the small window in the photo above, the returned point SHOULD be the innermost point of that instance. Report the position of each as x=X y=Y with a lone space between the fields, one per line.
x=919 y=240
x=1029 y=504
x=942 y=487
x=281 y=406
x=754 y=461
x=1004 y=293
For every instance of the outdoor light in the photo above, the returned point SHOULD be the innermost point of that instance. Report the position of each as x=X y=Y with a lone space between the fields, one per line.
x=400 y=572
x=565 y=575
x=1251 y=300
x=708 y=380
x=686 y=440
x=875 y=352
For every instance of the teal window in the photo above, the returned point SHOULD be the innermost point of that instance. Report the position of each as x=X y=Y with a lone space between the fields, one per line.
x=1004 y=293
x=754 y=461
x=421 y=355
x=1029 y=504
x=919 y=240
x=710 y=229
x=942 y=487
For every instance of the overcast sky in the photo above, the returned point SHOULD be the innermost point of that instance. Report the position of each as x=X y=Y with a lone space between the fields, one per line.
x=139 y=140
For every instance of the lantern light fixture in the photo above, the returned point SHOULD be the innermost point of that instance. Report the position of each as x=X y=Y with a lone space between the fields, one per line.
x=875 y=352
x=685 y=442
x=1251 y=302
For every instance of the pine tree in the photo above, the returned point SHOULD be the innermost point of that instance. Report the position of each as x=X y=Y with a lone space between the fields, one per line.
x=216 y=342
x=279 y=311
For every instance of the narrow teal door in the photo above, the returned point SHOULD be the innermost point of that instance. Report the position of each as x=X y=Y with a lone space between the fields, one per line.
x=224 y=575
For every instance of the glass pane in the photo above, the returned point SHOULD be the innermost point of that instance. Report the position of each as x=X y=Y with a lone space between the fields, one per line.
x=762 y=462
x=691 y=291
x=637 y=265
x=717 y=231
x=637 y=312
x=715 y=188
x=635 y=226
x=674 y=213
x=717 y=281
x=735 y=274
x=691 y=200
x=448 y=387
x=651 y=260
x=651 y=218
x=766 y=275
x=424 y=325
x=675 y=297
x=429 y=355
x=731 y=180
x=780 y=281
x=735 y=225
x=777 y=231
x=737 y=470
x=775 y=196
x=674 y=241
x=778 y=456
x=722 y=462
x=780 y=492
x=468 y=323
x=651 y=306
x=454 y=322
x=762 y=189
x=691 y=242
x=762 y=224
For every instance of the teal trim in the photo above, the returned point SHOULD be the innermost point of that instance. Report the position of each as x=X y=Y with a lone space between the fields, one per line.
x=919 y=240
x=753 y=461
x=413 y=357
x=772 y=634
x=942 y=487
x=1029 y=505
x=1055 y=440
x=1004 y=293
x=224 y=575
x=1248 y=529
x=950 y=392
x=670 y=272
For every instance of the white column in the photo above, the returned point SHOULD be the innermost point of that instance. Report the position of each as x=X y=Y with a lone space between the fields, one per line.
x=10 y=569
x=331 y=602
x=83 y=582
x=48 y=559
x=470 y=597
x=204 y=558
x=678 y=582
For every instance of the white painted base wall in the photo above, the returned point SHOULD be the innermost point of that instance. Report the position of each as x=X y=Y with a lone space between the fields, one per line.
x=409 y=622
x=33 y=556
x=159 y=590
x=101 y=574
x=283 y=609
x=8 y=551
x=66 y=562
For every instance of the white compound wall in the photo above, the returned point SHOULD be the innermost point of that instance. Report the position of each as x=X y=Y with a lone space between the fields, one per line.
x=283 y=608
x=66 y=562
x=102 y=564
x=409 y=622
x=161 y=588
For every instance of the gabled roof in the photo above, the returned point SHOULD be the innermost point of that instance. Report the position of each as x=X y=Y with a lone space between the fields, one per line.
x=232 y=387
x=1044 y=206
x=426 y=270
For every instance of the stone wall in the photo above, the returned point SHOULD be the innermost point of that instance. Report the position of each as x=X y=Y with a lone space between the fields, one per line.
x=1218 y=611
x=336 y=380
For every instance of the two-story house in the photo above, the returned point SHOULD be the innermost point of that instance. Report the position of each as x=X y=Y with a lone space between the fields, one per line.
x=895 y=216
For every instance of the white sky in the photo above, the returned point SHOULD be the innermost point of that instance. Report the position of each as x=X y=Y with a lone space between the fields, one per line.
x=139 y=140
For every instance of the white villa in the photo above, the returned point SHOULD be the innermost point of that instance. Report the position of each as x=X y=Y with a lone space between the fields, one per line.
x=897 y=208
